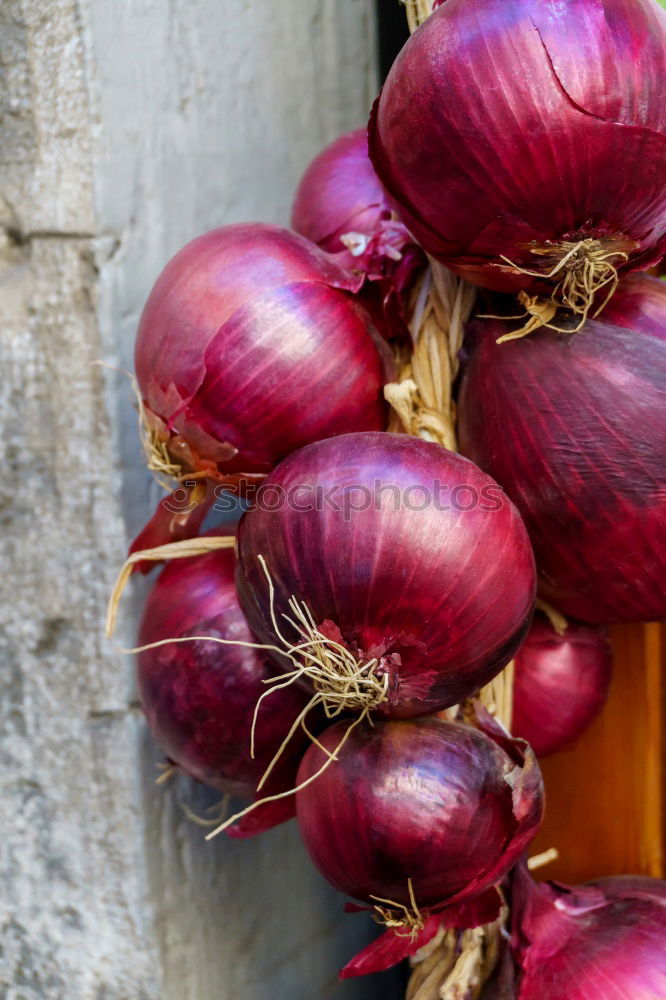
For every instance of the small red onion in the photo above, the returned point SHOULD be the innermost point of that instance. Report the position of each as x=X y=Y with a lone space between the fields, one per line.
x=604 y=940
x=199 y=697
x=340 y=193
x=574 y=428
x=341 y=206
x=413 y=567
x=560 y=684
x=509 y=131
x=419 y=815
x=340 y=196
x=250 y=346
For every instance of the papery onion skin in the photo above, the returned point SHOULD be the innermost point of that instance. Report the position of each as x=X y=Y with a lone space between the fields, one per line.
x=605 y=939
x=443 y=597
x=199 y=697
x=440 y=803
x=250 y=345
x=560 y=684
x=509 y=123
x=574 y=428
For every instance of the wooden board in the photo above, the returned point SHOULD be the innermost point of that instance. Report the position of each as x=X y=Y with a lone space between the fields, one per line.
x=605 y=797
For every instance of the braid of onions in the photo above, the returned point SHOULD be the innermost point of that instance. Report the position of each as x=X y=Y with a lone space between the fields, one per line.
x=379 y=647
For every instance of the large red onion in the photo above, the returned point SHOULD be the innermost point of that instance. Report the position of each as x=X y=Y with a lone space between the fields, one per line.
x=519 y=128
x=420 y=814
x=199 y=697
x=574 y=428
x=560 y=684
x=341 y=206
x=411 y=563
x=251 y=345
x=604 y=940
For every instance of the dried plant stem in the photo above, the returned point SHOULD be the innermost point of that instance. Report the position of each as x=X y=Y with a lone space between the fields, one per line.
x=406 y=921
x=167 y=772
x=541 y=860
x=580 y=270
x=221 y=808
x=421 y=399
x=173 y=550
x=455 y=965
x=497 y=697
x=558 y=621
x=417 y=12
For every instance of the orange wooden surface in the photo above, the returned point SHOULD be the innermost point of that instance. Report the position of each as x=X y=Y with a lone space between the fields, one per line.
x=605 y=808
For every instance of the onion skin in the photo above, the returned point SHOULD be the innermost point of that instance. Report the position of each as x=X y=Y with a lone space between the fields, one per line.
x=250 y=346
x=482 y=165
x=640 y=306
x=410 y=587
x=605 y=939
x=425 y=800
x=572 y=426
x=199 y=698
x=560 y=684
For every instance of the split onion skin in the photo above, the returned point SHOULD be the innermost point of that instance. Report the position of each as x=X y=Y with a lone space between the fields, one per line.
x=340 y=193
x=439 y=803
x=560 y=684
x=443 y=597
x=509 y=123
x=199 y=697
x=574 y=428
x=605 y=939
x=251 y=345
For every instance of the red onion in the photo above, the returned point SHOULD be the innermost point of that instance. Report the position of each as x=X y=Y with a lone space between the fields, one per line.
x=605 y=939
x=573 y=427
x=415 y=816
x=199 y=697
x=416 y=572
x=560 y=684
x=522 y=136
x=250 y=346
x=341 y=206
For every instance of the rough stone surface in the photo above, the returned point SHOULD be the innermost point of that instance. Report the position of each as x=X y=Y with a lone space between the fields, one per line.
x=127 y=129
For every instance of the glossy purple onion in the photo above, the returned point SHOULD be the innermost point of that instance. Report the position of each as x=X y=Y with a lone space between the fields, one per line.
x=574 y=428
x=340 y=193
x=404 y=553
x=441 y=804
x=506 y=126
x=341 y=206
x=560 y=684
x=199 y=697
x=251 y=345
x=605 y=939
